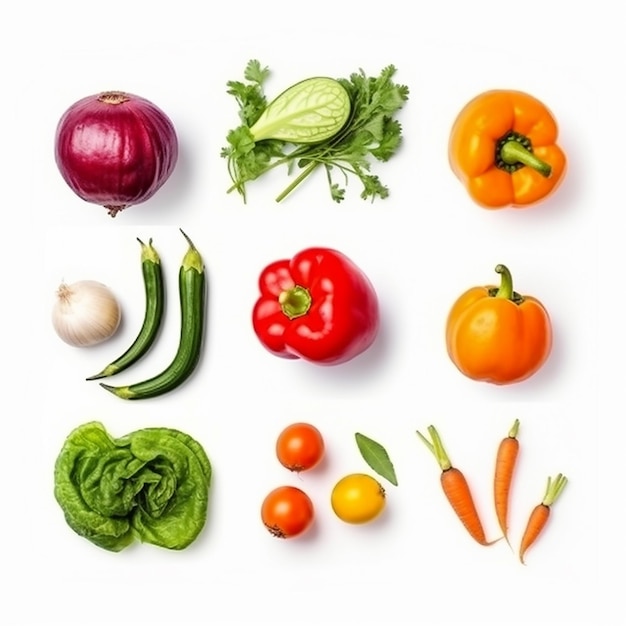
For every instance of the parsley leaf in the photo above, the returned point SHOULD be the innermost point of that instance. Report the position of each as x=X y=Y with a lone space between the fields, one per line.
x=372 y=133
x=255 y=73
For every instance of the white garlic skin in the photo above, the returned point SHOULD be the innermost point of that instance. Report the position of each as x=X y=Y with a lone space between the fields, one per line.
x=85 y=313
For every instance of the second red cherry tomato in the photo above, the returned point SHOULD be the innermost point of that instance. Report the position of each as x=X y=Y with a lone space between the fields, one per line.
x=300 y=447
x=287 y=512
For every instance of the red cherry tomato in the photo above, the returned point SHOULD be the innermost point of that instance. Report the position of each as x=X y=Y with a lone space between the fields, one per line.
x=287 y=512
x=300 y=447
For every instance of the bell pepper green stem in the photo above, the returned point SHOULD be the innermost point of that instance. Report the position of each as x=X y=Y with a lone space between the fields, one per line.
x=506 y=282
x=513 y=152
x=295 y=302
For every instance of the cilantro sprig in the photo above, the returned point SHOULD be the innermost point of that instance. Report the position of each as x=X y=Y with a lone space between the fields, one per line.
x=372 y=133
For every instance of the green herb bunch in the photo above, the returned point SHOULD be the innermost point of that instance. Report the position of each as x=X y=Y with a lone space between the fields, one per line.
x=370 y=133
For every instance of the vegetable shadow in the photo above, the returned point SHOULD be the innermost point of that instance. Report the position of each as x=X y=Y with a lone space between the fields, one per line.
x=361 y=369
x=312 y=535
x=574 y=185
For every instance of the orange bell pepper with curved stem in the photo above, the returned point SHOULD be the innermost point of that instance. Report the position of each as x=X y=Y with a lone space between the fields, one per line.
x=503 y=149
x=496 y=335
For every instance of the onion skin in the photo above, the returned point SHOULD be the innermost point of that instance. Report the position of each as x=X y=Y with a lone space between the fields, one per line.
x=115 y=149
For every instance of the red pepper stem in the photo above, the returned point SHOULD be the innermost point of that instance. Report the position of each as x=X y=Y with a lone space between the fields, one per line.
x=506 y=282
x=295 y=302
x=513 y=152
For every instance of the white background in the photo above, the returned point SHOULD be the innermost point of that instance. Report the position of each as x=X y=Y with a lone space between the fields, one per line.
x=421 y=248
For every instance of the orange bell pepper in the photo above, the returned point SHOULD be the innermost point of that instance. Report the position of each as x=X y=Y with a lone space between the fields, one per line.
x=496 y=335
x=503 y=149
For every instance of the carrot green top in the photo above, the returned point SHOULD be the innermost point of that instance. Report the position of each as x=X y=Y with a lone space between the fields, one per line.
x=436 y=447
x=514 y=429
x=554 y=489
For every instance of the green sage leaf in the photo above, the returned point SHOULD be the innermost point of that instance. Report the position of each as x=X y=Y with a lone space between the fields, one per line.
x=376 y=457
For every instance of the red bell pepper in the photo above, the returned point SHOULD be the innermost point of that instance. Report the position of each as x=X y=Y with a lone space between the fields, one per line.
x=318 y=306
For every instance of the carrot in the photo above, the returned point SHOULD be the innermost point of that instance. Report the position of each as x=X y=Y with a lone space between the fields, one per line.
x=506 y=459
x=456 y=489
x=539 y=515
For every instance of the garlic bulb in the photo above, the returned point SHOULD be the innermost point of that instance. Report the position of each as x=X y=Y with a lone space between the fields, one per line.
x=85 y=313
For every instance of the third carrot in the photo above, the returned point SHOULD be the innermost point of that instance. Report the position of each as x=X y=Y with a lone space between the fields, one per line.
x=540 y=514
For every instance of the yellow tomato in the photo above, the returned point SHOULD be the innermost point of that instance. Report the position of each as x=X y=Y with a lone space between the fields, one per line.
x=358 y=498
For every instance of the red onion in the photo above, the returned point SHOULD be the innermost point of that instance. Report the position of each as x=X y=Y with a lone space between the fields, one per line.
x=115 y=149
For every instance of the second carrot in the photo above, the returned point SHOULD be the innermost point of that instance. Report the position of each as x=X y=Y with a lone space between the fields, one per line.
x=506 y=459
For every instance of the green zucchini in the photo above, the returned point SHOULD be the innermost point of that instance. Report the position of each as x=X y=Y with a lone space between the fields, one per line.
x=192 y=287
x=155 y=298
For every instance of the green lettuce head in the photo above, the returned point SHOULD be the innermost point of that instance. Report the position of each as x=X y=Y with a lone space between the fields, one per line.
x=151 y=485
